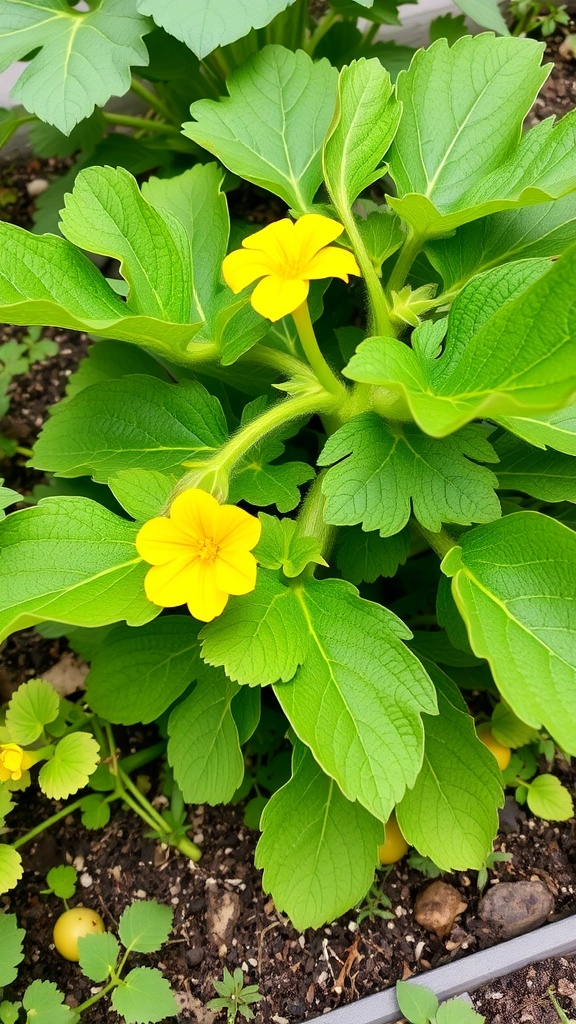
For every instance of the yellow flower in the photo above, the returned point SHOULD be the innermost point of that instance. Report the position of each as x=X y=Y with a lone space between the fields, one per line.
x=288 y=256
x=13 y=761
x=200 y=554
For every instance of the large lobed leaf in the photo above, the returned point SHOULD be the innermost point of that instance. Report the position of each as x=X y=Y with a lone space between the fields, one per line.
x=205 y=26
x=11 y=939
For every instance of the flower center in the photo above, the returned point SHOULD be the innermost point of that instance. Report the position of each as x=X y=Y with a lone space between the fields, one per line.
x=12 y=760
x=208 y=550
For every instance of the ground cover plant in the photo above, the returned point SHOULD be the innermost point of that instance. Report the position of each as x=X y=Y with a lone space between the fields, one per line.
x=416 y=308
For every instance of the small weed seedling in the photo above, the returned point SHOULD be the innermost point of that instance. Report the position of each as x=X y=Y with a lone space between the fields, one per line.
x=536 y=16
x=234 y=996
x=561 y=1015
x=420 y=1006
x=375 y=904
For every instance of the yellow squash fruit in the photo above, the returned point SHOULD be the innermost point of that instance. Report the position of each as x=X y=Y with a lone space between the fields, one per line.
x=72 y=925
x=395 y=846
x=501 y=753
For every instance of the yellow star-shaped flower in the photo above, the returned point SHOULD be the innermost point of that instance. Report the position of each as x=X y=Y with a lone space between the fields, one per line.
x=287 y=257
x=200 y=554
x=13 y=761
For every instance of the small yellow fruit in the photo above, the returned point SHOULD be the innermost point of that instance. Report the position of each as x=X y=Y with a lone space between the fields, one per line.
x=501 y=753
x=395 y=846
x=73 y=925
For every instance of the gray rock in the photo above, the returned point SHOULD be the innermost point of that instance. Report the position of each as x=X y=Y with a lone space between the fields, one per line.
x=512 y=908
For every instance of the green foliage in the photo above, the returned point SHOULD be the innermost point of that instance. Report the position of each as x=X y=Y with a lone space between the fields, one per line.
x=98 y=955
x=62 y=881
x=420 y=1006
x=11 y=938
x=234 y=996
x=145 y=926
x=548 y=798
x=32 y=706
x=17 y=357
x=144 y=997
x=10 y=868
x=74 y=759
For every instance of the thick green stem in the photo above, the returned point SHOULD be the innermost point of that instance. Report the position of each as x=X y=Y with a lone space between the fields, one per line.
x=406 y=257
x=53 y=820
x=140 y=123
x=323 y=27
x=289 y=365
x=151 y=99
x=324 y=375
x=99 y=995
x=370 y=34
x=380 y=323
x=311 y=521
x=440 y=542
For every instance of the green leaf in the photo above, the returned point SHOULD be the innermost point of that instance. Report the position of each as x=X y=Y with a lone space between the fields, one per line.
x=155 y=665
x=9 y=1012
x=384 y=471
x=417 y=1003
x=108 y=360
x=130 y=423
x=271 y=128
x=213 y=23
x=11 y=939
x=380 y=230
x=145 y=925
x=555 y=430
x=7 y=497
x=45 y=1004
x=75 y=758
x=204 y=748
x=6 y=804
x=514 y=582
x=144 y=997
x=459 y=153
x=246 y=710
x=486 y=13
x=365 y=121
x=45 y=280
x=356 y=672
x=549 y=799
x=510 y=350
x=281 y=545
x=451 y=813
x=510 y=730
x=106 y=213
x=260 y=637
x=318 y=850
x=62 y=881
x=11 y=120
x=83 y=57
x=363 y=557
x=547 y=475
x=260 y=483
x=72 y=561
x=95 y=811
x=456 y=1011
x=32 y=706
x=143 y=493
x=10 y=867
x=448 y=26
x=383 y=12
x=196 y=201
x=98 y=955
x=546 y=230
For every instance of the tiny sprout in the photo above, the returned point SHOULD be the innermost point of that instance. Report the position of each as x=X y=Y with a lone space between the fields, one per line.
x=234 y=996
x=73 y=925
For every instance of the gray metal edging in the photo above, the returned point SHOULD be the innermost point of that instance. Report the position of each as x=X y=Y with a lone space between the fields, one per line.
x=467 y=974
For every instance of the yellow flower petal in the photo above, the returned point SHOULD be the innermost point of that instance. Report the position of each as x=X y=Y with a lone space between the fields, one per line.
x=242 y=267
x=331 y=262
x=275 y=297
x=171 y=584
x=235 y=571
x=195 y=512
x=236 y=528
x=159 y=540
x=311 y=233
x=274 y=244
x=4 y=775
x=206 y=600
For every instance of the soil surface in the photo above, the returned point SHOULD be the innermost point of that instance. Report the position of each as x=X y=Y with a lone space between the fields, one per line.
x=222 y=918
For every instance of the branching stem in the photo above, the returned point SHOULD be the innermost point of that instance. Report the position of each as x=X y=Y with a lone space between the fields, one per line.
x=324 y=375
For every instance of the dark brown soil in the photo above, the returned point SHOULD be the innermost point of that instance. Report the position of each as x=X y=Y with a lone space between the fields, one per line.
x=299 y=975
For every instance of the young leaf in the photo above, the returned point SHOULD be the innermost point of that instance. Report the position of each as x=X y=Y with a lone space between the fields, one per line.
x=44 y=1003
x=203 y=748
x=514 y=583
x=95 y=811
x=508 y=729
x=82 y=58
x=72 y=561
x=364 y=124
x=260 y=483
x=130 y=423
x=386 y=471
x=145 y=926
x=510 y=350
x=380 y=230
x=366 y=556
x=282 y=546
x=261 y=637
x=9 y=1012
x=45 y=280
x=556 y=430
x=32 y=706
x=10 y=871
x=155 y=664
x=549 y=799
x=357 y=672
x=62 y=881
x=75 y=758
x=486 y=13
x=543 y=474
x=318 y=850
x=98 y=955
x=271 y=128
x=214 y=23
x=144 y=997
x=11 y=939
x=456 y=1011
x=7 y=497
x=108 y=360
x=417 y=1003
x=143 y=493
x=451 y=813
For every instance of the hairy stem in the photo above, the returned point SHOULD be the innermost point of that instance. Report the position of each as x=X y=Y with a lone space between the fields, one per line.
x=380 y=323
x=406 y=257
x=324 y=375
x=311 y=522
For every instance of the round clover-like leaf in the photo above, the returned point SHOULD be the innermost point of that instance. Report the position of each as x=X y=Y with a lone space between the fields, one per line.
x=33 y=705
x=549 y=799
x=68 y=770
x=10 y=868
x=145 y=926
x=144 y=998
